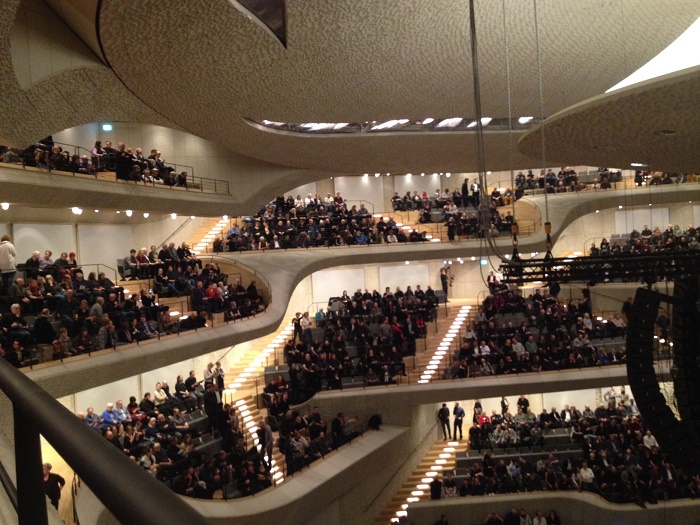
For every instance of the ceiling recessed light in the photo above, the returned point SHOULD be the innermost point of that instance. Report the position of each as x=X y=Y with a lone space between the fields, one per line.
x=172 y=215
x=664 y=132
x=619 y=207
x=97 y=211
x=5 y=205
x=145 y=215
x=129 y=213
x=597 y=211
x=637 y=164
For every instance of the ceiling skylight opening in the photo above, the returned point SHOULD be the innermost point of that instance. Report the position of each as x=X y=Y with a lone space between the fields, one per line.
x=681 y=54
x=524 y=120
x=450 y=122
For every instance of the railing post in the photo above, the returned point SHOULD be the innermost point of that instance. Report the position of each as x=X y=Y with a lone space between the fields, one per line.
x=31 y=497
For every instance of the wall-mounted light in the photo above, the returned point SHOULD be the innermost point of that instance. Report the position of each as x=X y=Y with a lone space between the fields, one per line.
x=192 y=217
x=145 y=215
x=76 y=210
x=129 y=213
x=173 y=216
x=5 y=205
x=97 y=211
x=106 y=127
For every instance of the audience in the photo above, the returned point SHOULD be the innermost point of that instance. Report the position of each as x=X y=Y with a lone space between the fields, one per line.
x=56 y=312
x=611 y=454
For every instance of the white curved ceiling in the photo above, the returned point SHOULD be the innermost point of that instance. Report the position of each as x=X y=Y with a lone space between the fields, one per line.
x=204 y=66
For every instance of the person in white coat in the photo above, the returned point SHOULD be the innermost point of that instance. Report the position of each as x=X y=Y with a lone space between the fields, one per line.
x=8 y=265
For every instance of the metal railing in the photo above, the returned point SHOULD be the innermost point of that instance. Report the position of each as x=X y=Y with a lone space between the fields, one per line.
x=42 y=161
x=119 y=483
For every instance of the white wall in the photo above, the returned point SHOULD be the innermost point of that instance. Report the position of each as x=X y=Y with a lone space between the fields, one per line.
x=331 y=283
x=628 y=220
x=427 y=183
x=365 y=189
x=404 y=275
x=103 y=244
x=696 y=215
x=58 y=238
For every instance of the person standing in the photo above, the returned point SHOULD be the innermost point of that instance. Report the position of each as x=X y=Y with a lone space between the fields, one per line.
x=444 y=417
x=458 y=413
x=504 y=405
x=53 y=483
x=8 y=265
x=444 y=279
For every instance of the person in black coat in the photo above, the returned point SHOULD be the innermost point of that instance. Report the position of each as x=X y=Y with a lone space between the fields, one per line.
x=53 y=483
x=213 y=406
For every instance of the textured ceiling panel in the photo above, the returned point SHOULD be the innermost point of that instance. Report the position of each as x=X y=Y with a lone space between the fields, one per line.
x=355 y=60
x=627 y=126
x=68 y=97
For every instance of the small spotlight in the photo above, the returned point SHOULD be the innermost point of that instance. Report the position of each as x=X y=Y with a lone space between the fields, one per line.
x=129 y=213
x=145 y=215
x=97 y=211
x=173 y=216
x=5 y=205
x=619 y=207
x=192 y=217
x=408 y=262
x=225 y=217
x=76 y=210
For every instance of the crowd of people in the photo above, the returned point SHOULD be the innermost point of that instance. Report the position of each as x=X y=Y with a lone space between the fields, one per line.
x=514 y=517
x=553 y=335
x=379 y=329
x=75 y=314
x=160 y=435
x=129 y=164
x=648 y=241
x=620 y=459
x=310 y=222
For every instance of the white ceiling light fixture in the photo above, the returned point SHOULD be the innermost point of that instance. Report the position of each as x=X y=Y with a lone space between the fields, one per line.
x=129 y=213
x=449 y=122
x=76 y=210
x=5 y=205
x=173 y=216
x=192 y=217
x=485 y=121
x=428 y=120
x=145 y=215
x=525 y=120
x=680 y=54
x=637 y=164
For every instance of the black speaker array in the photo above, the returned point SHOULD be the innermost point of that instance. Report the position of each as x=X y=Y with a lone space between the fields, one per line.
x=686 y=349
x=669 y=432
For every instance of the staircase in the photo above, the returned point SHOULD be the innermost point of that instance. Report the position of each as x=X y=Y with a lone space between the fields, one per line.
x=439 y=347
x=417 y=486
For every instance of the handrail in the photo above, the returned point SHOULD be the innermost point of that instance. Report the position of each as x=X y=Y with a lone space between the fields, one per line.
x=8 y=485
x=119 y=483
x=201 y=184
x=177 y=230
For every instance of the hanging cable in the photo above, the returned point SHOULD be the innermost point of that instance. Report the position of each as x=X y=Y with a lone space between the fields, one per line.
x=514 y=226
x=484 y=208
x=547 y=224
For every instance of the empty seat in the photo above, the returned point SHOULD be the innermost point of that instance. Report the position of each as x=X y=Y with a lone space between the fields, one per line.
x=536 y=450
x=473 y=454
x=550 y=448
x=510 y=451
